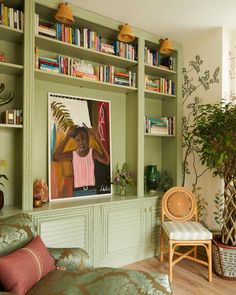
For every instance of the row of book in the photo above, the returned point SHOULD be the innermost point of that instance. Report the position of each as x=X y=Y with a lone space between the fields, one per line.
x=13 y=116
x=78 y=68
x=159 y=126
x=108 y=74
x=154 y=58
x=11 y=17
x=85 y=38
x=161 y=85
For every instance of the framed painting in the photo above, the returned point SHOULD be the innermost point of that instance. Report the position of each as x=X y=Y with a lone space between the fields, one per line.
x=79 y=147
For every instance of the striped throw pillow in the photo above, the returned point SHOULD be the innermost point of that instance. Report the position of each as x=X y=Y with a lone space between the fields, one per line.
x=22 y=269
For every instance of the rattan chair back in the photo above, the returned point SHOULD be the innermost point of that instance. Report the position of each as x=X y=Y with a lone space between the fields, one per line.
x=178 y=204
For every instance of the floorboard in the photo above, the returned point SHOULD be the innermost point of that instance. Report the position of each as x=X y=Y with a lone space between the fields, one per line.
x=189 y=278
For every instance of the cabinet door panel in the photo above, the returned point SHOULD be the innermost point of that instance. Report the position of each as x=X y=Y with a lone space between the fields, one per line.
x=122 y=236
x=67 y=230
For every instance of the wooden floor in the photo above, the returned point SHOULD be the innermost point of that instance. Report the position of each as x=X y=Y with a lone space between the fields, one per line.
x=189 y=278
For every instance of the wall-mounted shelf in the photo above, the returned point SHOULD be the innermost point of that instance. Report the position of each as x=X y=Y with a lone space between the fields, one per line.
x=11 y=69
x=81 y=82
x=80 y=52
x=2 y=125
x=156 y=94
x=155 y=70
x=11 y=35
x=158 y=135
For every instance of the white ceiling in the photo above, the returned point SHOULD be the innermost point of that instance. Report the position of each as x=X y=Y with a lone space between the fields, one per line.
x=176 y=19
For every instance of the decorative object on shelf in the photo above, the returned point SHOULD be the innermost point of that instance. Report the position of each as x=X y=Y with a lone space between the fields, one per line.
x=2 y=56
x=153 y=178
x=3 y=164
x=166 y=181
x=37 y=201
x=40 y=190
x=7 y=99
x=126 y=35
x=166 y=46
x=64 y=14
x=123 y=178
x=79 y=147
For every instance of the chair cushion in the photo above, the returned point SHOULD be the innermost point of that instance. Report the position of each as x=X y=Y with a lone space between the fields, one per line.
x=190 y=230
x=100 y=281
x=22 y=269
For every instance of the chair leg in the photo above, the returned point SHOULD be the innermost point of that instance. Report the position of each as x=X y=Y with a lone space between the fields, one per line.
x=195 y=252
x=209 y=262
x=170 y=261
x=161 y=246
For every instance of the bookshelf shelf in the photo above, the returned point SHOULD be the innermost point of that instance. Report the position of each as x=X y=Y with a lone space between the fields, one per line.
x=11 y=35
x=10 y=126
x=156 y=94
x=155 y=70
x=81 y=82
x=80 y=52
x=11 y=69
x=158 y=135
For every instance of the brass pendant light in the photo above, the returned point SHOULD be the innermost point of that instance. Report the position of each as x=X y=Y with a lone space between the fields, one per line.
x=166 y=46
x=64 y=14
x=126 y=35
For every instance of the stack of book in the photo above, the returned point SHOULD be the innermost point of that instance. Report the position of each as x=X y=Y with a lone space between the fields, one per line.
x=126 y=79
x=48 y=64
x=161 y=85
x=168 y=62
x=14 y=117
x=11 y=17
x=107 y=48
x=44 y=28
x=159 y=126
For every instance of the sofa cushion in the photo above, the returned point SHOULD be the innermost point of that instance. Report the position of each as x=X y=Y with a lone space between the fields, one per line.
x=22 y=269
x=99 y=281
x=15 y=232
x=190 y=230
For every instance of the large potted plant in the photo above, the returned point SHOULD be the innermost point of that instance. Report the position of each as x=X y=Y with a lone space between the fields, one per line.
x=215 y=131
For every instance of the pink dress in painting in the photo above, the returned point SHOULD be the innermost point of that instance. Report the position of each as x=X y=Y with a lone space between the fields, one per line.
x=83 y=168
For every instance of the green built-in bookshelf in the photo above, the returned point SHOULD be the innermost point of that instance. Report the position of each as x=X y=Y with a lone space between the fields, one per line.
x=25 y=146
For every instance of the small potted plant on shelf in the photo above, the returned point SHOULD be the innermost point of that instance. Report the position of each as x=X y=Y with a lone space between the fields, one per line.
x=3 y=164
x=215 y=130
x=122 y=178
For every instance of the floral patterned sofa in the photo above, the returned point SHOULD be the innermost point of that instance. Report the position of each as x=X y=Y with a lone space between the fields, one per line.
x=72 y=272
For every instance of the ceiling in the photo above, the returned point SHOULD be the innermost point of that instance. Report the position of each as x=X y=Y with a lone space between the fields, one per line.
x=176 y=19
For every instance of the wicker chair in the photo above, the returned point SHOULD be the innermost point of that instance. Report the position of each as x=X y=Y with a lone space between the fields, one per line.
x=180 y=228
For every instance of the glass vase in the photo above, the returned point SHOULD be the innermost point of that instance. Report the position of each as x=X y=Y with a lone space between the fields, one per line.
x=123 y=191
x=152 y=177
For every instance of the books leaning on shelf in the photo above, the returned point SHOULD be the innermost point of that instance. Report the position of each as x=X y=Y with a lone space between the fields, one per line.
x=14 y=117
x=85 y=38
x=11 y=17
x=79 y=68
x=159 y=126
x=161 y=85
x=154 y=58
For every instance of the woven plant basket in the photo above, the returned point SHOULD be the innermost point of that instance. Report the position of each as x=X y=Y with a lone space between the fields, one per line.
x=224 y=259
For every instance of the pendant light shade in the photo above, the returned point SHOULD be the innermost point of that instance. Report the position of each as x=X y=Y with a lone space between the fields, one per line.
x=166 y=46
x=126 y=35
x=64 y=14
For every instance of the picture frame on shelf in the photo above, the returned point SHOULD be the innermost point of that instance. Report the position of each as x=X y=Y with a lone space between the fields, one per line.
x=79 y=147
